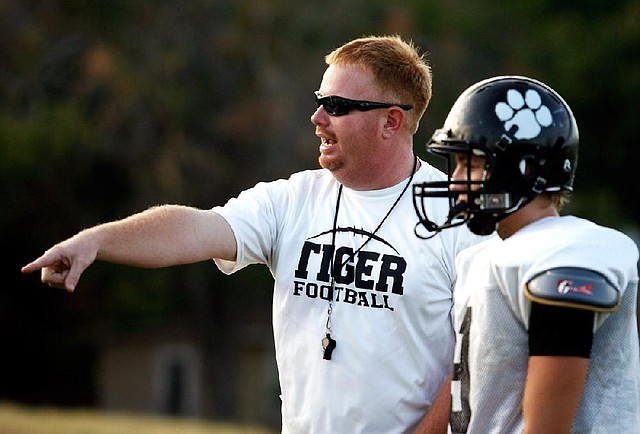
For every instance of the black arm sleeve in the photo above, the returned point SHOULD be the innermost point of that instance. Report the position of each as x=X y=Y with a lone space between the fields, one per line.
x=560 y=331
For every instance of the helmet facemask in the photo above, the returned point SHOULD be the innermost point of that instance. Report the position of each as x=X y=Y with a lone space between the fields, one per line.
x=481 y=203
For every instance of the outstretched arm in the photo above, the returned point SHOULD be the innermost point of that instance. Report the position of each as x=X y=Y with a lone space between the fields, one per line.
x=158 y=237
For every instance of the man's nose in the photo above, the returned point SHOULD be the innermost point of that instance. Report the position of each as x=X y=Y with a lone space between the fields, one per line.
x=319 y=117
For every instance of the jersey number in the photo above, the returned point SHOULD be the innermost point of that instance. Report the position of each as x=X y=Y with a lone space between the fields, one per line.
x=460 y=409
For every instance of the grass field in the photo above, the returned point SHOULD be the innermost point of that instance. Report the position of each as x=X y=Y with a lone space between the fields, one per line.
x=45 y=420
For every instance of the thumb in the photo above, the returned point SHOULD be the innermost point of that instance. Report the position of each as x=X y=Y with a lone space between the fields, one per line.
x=73 y=276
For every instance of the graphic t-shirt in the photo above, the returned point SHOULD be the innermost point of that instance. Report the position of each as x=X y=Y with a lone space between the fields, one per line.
x=391 y=307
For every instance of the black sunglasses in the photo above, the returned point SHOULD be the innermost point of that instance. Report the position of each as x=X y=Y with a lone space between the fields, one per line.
x=339 y=106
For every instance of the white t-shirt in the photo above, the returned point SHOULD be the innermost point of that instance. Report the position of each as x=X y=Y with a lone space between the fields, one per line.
x=392 y=305
x=492 y=317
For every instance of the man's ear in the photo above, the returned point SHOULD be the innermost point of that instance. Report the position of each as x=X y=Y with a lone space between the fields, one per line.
x=393 y=122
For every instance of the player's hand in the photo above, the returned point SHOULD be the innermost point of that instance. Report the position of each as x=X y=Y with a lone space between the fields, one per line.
x=62 y=265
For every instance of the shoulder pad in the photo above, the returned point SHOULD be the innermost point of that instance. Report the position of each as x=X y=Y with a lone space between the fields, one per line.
x=573 y=287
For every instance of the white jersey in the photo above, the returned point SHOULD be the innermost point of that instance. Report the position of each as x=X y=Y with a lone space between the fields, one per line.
x=492 y=315
x=392 y=307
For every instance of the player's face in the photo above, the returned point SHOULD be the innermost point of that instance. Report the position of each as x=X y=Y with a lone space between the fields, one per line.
x=349 y=143
x=466 y=165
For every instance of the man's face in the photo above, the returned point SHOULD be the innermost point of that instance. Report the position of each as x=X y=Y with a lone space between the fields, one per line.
x=349 y=143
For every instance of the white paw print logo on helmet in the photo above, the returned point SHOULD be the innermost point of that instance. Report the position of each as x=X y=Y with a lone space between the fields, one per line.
x=526 y=113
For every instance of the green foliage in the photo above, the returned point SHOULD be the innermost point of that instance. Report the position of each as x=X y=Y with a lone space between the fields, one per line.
x=52 y=133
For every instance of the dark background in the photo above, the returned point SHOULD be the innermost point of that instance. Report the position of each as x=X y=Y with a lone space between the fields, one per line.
x=109 y=107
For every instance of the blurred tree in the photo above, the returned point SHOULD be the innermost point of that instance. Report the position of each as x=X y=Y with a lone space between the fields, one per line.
x=588 y=51
x=107 y=108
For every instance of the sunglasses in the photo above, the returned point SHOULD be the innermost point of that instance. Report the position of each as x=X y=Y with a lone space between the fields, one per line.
x=339 y=106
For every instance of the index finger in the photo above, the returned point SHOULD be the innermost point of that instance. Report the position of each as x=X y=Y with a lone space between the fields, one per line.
x=35 y=265
x=47 y=259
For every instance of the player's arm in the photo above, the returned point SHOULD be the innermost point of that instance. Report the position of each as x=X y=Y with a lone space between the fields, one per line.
x=437 y=418
x=561 y=324
x=158 y=237
x=556 y=376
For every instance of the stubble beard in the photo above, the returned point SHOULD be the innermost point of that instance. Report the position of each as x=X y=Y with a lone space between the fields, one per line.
x=330 y=166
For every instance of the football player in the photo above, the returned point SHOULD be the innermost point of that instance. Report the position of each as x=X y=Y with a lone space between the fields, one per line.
x=546 y=311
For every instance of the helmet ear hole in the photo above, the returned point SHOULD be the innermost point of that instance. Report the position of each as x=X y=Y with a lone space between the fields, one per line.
x=523 y=166
x=527 y=163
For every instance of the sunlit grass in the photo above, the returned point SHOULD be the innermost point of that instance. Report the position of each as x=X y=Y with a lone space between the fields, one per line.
x=46 y=420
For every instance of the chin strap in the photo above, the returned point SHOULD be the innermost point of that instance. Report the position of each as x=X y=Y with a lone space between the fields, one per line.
x=483 y=225
x=457 y=211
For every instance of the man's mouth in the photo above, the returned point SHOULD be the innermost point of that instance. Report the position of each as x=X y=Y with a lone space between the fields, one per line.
x=327 y=142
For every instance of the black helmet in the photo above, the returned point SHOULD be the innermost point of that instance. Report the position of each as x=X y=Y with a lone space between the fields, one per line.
x=527 y=134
